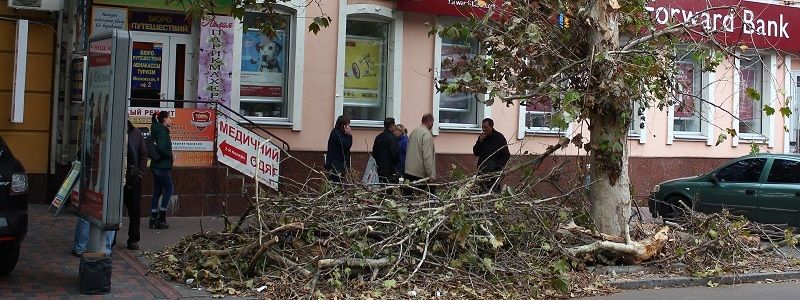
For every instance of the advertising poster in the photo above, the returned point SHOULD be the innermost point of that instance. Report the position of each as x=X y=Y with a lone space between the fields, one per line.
x=247 y=152
x=192 y=133
x=105 y=19
x=146 y=66
x=363 y=65
x=263 y=64
x=685 y=80
x=97 y=102
x=216 y=59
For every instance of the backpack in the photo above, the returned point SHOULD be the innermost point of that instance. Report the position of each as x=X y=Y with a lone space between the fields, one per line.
x=152 y=152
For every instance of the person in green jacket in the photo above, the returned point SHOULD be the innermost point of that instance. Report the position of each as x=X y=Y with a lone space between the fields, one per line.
x=162 y=179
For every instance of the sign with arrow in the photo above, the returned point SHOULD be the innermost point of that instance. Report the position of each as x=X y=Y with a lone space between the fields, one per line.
x=247 y=152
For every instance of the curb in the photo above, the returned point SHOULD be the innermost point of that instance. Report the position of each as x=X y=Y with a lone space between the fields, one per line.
x=694 y=281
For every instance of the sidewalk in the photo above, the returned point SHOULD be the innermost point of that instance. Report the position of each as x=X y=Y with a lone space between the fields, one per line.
x=46 y=270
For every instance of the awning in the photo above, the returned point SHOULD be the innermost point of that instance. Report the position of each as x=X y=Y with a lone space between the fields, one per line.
x=459 y=8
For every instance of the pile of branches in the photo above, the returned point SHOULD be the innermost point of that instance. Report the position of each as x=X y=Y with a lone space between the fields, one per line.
x=456 y=242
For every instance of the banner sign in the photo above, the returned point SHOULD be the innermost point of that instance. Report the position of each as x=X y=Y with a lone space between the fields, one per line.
x=146 y=66
x=247 y=152
x=459 y=8
x=159 y=22
x=192 y=133
x=263 y=64
x=216 y=59
x=364 y=63
x=105 y=19
x=735 y=22
x=76 y=86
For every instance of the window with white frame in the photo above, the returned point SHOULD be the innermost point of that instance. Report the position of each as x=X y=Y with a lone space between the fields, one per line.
x=457 y=109
x=265 y=68
x=688 y=106
x=539 y=116
x=637 y=119
x=751 y=72
x=366 y=57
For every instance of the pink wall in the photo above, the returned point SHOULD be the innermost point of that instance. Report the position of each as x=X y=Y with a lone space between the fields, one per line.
x=417 y=99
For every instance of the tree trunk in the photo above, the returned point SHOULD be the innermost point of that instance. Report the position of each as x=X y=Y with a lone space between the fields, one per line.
x=610 y=192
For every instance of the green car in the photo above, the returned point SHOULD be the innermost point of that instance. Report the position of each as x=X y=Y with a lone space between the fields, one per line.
x=764 y=188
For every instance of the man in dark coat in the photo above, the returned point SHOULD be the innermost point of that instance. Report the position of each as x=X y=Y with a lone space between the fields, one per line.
x=386 y=152
x=492 y=152
x=337 y=158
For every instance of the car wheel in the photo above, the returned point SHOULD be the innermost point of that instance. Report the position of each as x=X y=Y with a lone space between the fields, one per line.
x=8 y=258
x=678 y=206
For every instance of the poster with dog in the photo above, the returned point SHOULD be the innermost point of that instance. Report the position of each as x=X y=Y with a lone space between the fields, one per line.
x=263 y=64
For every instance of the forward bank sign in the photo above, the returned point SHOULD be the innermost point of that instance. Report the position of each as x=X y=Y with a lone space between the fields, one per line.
x=733 y=22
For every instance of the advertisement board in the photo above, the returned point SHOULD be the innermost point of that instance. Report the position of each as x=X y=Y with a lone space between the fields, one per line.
x=105 y=19
x=104 y=129
x=216 y=59
x=363 y=65
x=263 y=64
x=247 y=152
x=458 y=8
x=192 y=133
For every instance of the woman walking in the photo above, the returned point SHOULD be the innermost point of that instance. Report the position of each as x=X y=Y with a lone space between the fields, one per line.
x=161 y=165
x=401 y=133
x=337 y=160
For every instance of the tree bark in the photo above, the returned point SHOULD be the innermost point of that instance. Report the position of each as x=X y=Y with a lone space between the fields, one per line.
x=610 y=192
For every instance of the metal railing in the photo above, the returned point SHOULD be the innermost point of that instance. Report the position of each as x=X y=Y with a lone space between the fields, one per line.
x=216 y=106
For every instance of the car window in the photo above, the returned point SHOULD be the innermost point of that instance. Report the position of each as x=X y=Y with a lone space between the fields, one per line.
x=746 y=170
x=784 y=171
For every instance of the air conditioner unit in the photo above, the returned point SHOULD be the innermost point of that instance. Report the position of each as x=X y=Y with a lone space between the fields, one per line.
x=51 y=5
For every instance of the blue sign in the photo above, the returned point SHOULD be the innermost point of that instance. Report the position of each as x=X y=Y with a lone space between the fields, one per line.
x=146 y=66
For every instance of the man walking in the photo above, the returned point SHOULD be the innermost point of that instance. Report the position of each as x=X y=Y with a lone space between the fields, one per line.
x=493 y=155
x=137 y=165
x=421 y=156
x=386 y=153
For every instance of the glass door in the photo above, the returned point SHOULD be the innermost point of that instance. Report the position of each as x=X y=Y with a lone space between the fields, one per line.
x=159 y=70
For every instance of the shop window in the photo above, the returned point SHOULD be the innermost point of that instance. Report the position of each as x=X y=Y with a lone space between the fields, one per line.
x=265 y=69
x=751 y=72
x=688 y=106
x=457 y=110
x=366 y=54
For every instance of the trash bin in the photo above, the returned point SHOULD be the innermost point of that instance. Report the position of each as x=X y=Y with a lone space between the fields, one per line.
x=95 y=274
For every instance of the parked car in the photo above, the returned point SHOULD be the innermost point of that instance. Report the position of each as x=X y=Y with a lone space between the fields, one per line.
x=13 y=208
x=764 y=188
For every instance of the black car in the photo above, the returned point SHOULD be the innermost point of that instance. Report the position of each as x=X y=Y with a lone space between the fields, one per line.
x=13 y=208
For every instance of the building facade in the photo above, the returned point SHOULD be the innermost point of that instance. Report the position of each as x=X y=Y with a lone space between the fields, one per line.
x=377 y=60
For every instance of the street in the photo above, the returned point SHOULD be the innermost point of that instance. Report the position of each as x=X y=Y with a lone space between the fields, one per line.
x=783 y=290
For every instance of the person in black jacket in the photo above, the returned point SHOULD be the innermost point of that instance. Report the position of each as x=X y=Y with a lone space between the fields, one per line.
x=136 y=166
x=492 y=152
x=163 y=186
x=337 y=159
x=386 y=153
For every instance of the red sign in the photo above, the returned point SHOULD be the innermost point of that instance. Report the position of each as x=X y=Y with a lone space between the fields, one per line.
x=459 y=8
x=734 y=22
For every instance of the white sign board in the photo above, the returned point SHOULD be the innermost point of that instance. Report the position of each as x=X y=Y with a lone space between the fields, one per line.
x=247 y=152
x=105 y=19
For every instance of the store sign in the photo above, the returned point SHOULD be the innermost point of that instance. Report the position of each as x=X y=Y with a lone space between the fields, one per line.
x=146 y=66
x=363 y=63
x=159 y=22
x=754 y=24
x=105 y=19
x=263 y=64
x=247 y=152
x=460 y=8
x=216 y=59
x=192 y=133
